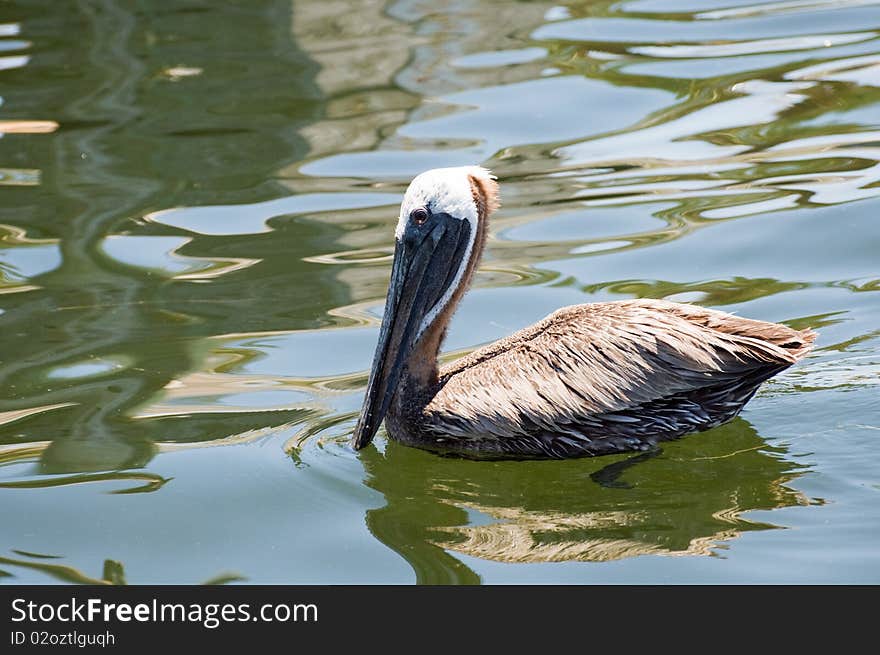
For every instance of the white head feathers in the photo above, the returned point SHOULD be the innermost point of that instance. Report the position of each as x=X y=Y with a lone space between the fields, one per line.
x=443 y=190
x=449 y=191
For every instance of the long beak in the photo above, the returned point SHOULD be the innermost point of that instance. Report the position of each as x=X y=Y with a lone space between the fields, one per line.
x=419 y=278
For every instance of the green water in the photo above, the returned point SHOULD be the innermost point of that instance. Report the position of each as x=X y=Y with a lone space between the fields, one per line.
x=198 y=202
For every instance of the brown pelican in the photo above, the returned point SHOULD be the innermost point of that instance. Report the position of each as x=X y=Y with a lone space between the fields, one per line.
x=587 y=380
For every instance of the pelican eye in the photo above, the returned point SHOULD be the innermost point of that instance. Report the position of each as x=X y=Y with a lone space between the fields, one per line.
x=419 y=215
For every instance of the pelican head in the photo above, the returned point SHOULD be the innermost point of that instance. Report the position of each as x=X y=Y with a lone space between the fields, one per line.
x=438 y=242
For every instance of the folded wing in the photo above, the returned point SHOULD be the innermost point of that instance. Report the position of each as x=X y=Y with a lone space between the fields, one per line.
x=607 y=377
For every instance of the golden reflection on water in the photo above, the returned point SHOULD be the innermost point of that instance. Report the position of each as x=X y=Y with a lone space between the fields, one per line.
x=518 y=537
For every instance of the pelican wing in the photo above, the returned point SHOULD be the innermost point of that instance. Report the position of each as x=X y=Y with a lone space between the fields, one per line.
x=607 y=377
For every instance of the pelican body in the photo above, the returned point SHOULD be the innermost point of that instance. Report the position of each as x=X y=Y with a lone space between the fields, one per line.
x=587 y=380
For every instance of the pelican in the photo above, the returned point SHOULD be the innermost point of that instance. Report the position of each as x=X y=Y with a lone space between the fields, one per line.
x=588 y=379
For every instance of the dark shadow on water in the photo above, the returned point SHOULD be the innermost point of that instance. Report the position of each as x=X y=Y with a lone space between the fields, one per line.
x=609 y=476
x=689 y=498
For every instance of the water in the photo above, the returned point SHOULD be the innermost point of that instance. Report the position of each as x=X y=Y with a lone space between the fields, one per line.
x=195 y=238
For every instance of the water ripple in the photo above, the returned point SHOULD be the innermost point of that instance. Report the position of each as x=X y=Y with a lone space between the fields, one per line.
x=194 y=253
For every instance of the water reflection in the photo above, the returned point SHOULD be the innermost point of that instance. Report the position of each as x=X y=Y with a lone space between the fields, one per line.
x=113 y=572
x=197 y=218
x=135 y=137
x=690 y=499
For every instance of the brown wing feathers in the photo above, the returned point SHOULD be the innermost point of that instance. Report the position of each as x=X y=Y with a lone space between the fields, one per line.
x=601 y=377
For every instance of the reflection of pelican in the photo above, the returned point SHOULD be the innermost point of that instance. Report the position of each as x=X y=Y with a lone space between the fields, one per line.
x=586 y=380
x=523 y=536
x=690 y=499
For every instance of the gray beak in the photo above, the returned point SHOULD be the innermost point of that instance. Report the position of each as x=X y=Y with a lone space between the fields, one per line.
x=426 y=259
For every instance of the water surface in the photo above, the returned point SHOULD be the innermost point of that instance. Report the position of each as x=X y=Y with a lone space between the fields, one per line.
x=195 y=239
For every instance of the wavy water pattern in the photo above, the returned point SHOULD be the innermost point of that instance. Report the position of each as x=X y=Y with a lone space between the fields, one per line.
x=196 y=238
